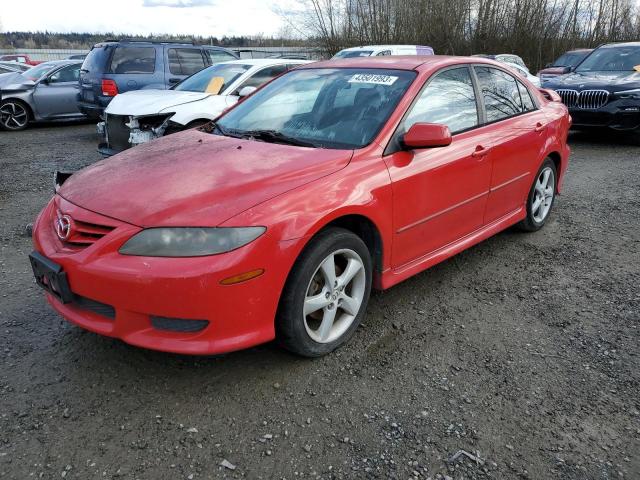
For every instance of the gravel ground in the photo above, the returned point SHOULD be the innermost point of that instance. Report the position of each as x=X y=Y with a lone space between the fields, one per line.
x=522 y=352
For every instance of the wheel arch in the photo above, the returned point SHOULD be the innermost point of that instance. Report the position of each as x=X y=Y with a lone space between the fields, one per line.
x=557 y=160
x=363 y=227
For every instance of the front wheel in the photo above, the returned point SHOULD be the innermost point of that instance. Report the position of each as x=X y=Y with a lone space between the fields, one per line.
x=14 y=115
x=541 y=197
x=326 y=294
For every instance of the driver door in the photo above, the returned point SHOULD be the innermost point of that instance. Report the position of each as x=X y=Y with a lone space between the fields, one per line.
x=439 y=194
x=56 y=95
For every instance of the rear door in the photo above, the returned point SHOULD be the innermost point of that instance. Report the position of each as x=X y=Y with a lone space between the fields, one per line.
x=518 y=140
x=182 y=62
x=56 y=95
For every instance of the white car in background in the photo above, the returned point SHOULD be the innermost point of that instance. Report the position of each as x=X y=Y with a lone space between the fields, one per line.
x=139 y=116
x=524 y=72
x=379 y=50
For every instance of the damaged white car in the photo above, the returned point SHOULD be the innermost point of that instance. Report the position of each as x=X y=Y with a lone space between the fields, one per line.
x=139 y=116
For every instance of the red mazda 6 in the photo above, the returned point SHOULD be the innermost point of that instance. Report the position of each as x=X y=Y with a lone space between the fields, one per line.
x=276 y=221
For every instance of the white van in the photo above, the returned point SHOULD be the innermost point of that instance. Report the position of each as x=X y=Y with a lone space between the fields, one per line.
x=379 y=50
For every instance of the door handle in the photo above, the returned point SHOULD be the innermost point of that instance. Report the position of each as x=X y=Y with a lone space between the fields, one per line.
x=174 y=80
x=480 y=151
x=540 y=127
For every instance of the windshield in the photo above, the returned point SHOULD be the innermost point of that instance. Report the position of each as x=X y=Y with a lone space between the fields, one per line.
x=324 y=107
x=203 y=81
x=611 y=59
x=570 y=59
x=37 y=72
x=353 y=53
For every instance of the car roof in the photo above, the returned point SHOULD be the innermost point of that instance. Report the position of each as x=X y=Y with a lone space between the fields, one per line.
x=61 y=62
x=400 y=62
x=267 y=61
x=373 y=47
x=620 y=44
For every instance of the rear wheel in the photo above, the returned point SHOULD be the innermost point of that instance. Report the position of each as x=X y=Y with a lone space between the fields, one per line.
x=326 y=294
x=14 y=115
x=541 y=197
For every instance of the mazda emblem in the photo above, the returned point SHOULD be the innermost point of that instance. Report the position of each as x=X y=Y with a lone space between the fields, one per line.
x=63 y=226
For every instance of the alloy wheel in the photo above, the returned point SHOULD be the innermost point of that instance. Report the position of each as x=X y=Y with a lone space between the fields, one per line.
x=13 y=115
x=334 y=296
x=544 y=192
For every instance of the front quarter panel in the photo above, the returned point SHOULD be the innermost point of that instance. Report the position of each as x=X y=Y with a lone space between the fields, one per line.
x=362 y=188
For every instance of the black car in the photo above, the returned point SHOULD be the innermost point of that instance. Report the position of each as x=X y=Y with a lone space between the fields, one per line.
x=604 y=89
x=117 y=66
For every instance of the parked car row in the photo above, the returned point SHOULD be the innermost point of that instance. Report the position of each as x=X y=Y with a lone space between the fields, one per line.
x=276 y=220
x=599 y=86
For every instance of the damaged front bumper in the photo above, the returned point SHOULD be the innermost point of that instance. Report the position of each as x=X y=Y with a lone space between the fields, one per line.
x=120 y=132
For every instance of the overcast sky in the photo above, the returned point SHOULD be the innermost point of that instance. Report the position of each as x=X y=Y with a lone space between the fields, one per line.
x=198 y=17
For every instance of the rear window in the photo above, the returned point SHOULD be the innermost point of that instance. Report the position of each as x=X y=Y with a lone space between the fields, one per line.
x=95 y=60
x=133 y=60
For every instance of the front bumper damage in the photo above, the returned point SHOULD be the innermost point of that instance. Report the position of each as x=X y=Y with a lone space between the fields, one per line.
x=120 y=132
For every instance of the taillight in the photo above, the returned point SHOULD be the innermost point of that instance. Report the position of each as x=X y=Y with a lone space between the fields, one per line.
x=109 y=88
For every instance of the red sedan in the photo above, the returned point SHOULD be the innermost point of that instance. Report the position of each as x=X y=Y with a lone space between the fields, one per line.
x=276 y=221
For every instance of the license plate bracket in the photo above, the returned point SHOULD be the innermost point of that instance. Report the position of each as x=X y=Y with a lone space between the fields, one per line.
x=51 y=277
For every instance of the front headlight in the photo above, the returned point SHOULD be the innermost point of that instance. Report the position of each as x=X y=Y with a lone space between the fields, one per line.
x=629 y=94
x=189 y=241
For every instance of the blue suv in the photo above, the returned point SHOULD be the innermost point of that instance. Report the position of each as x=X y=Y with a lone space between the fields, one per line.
x=117 y=66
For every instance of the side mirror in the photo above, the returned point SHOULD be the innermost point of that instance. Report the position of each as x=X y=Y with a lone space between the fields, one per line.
x=548 y=65
x=246 y=91
x=567 y=70
x=427 y=135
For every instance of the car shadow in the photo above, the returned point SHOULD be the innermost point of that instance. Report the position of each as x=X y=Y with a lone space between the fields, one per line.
x=605 y=137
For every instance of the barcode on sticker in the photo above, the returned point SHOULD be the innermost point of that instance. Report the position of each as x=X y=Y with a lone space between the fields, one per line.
x=374 y=79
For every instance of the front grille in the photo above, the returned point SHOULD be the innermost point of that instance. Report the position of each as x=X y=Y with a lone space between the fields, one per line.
x=117 y=132
x=83 y=234
x=99 y=308
x=586 y=99
x=569 y=97
x=593 y=99
x=178 y=324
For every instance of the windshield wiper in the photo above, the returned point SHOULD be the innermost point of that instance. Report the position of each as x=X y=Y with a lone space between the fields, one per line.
x=276 y=137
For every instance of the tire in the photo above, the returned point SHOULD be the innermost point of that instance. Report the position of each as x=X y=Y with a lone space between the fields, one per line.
x=14 y=115
x=312 y=319
x=541 y=197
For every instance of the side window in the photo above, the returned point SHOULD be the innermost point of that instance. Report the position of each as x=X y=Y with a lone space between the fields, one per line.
x=215 y=56
x=185 y=61
x=263 y=76
x=66 y=74
x=527 y=102
x=449 y=99
x=500 y=93
x=133 y=60
x=384 y=52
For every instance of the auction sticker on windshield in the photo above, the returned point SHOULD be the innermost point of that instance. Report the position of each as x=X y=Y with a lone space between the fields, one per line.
x=372 y=78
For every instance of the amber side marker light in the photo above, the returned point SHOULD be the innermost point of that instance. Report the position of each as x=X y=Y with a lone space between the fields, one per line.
x=243 y=277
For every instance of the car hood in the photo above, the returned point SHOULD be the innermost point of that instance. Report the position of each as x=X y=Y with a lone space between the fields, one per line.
x=14 y=81
x=151 y=102
x=195 y=178
x=612 y=81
